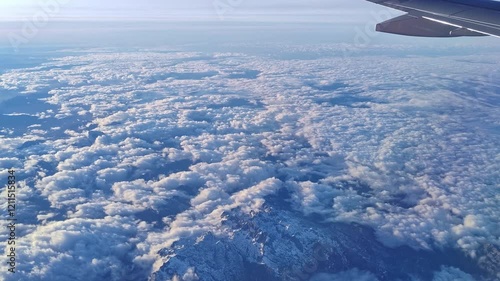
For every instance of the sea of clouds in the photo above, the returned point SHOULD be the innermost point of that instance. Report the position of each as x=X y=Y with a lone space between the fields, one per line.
x=120 y=154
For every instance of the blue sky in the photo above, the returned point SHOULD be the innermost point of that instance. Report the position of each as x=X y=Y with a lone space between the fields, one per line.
x=111 y=23
x=335 y=10
x=101 y=23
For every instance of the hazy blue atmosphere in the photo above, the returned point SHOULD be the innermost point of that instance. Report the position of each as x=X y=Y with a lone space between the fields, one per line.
x=245 y=140
x=193 y=9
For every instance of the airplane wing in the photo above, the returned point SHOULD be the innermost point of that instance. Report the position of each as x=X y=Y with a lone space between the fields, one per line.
x=443 y=18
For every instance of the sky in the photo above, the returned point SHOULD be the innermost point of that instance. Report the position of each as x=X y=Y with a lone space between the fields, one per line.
x=167 y=10
x=126 y=23
x=30 y=23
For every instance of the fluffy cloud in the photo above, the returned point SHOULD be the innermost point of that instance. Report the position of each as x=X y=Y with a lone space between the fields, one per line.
x=450 y=274
x=132 y=154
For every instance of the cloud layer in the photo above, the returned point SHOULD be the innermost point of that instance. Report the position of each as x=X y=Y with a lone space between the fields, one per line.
x=121 y=155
